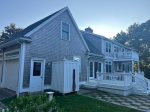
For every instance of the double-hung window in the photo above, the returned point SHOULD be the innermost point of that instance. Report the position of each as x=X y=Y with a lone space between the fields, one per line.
x=65 y=31
x=108 y=47
x=108 y=67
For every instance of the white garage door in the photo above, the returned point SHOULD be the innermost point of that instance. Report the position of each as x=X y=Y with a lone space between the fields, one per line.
x=11 y=74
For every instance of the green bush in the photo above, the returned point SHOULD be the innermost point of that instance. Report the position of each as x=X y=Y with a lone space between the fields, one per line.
x=34 y=103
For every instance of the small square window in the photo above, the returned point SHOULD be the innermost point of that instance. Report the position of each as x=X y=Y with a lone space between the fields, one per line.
x=37 y=69
x=65 y=34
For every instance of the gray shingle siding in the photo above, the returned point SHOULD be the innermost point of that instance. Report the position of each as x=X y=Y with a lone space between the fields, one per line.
x=47 y=44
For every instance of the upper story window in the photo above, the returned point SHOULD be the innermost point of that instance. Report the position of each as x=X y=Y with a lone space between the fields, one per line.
x=116 y=49
x=108 y=47
x=65 y=31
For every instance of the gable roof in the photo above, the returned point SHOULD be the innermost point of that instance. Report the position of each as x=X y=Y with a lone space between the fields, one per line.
x=30 y=27
x=94 y=38
x=93 y=42
x=37 y=25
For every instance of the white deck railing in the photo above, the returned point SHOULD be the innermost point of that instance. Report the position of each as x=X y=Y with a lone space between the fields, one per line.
x=137 y=79
x=126 y=55
x=116 y=78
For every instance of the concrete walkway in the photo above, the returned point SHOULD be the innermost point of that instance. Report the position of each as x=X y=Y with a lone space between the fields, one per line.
x=6 y=93
x=133 y=101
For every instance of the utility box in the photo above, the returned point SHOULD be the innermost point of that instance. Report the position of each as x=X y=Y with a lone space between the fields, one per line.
x=65 y=76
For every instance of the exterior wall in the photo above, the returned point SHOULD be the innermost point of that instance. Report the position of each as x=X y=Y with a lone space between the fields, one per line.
x=47 y=44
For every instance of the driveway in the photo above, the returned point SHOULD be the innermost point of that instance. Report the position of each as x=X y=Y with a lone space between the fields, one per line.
x=133 y=101
x=6 y=93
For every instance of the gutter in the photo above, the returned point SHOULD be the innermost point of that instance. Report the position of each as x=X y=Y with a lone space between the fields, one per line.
x=96 y=55
x=15 y=41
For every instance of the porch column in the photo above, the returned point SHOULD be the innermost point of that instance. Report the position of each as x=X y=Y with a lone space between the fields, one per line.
x=139 y=66
x=21 y=68
x=132 y=66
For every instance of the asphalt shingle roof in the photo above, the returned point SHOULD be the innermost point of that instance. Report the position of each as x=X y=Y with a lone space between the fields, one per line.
x=30 y=27
x=93 y=42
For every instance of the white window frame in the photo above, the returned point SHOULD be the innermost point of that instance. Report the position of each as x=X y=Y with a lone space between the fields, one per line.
x=62 y=30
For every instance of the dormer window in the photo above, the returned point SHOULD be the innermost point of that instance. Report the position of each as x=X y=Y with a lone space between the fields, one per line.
x=65 y=31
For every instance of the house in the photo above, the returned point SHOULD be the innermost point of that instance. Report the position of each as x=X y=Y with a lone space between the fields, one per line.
x=26 y=59
x=113 y=67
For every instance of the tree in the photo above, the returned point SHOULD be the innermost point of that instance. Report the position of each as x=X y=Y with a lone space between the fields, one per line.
x=137 y=37
x=9 y=31
x=121 y=37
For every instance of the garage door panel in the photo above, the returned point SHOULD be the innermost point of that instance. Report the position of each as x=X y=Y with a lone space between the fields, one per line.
x=11 y=74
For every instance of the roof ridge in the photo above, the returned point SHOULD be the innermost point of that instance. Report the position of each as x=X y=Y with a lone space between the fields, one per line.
x=94 y=34
x=32 y=26
x=100 y=36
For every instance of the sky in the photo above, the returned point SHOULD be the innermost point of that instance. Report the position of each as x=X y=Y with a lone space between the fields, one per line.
x=105 y=17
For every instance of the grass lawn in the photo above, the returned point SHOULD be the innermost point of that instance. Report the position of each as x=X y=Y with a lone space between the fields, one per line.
x=77 y=103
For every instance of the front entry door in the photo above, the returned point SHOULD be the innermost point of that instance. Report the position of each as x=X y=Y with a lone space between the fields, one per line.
x=91 y=70
x=95 y=69
x=36 y=76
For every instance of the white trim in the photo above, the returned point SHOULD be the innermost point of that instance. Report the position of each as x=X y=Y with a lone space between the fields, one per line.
x=43 y=71
x=21 y=68
x=76 y=26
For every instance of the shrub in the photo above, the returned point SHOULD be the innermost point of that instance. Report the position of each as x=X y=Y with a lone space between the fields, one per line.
x=34 y=103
